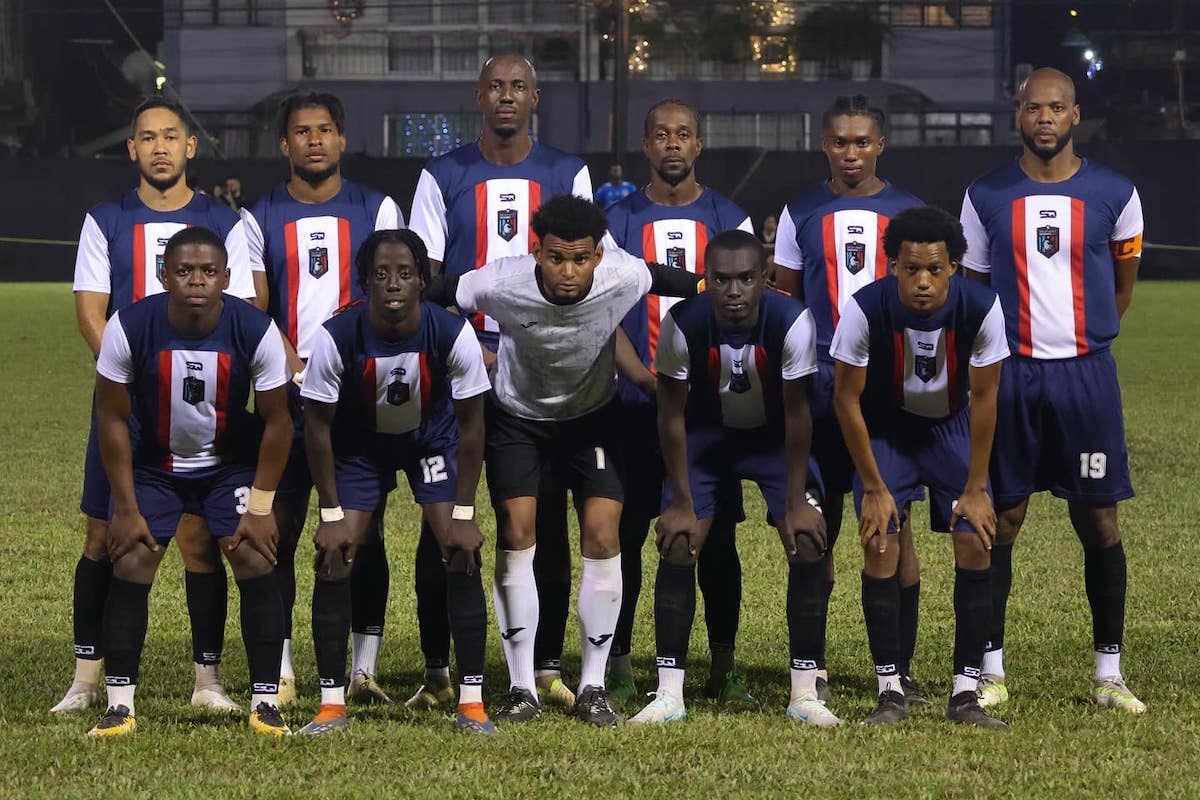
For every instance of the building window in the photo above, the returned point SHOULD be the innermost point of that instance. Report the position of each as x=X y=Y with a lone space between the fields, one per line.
x=503 y=11
x=232 y=12
x=555 y=11
x=410 y=11
x=952 y=14
x=410 y=54
x=460 y=55
x=766 y=130
x=939 y=128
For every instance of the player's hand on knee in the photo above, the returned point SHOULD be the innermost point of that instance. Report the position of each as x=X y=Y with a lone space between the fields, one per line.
x=259 y=532
x=976 y=508
x=675 y=521
x=125 y=532
x=803 y=533
x=878 y=516
x=463 y=534
x=336 y=548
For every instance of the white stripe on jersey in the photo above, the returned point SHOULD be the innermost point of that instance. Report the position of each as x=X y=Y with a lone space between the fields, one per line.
x=318 y=296
x=675 y=245
x=741 y=391
x=925 y=383
x=398 y=393
x=154 y=241
x=860 y=229
x=193 y=410
x=1051 y=301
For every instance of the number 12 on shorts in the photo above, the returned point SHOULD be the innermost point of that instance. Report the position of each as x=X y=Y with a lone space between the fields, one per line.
x=433 y=469
x=1093 y=465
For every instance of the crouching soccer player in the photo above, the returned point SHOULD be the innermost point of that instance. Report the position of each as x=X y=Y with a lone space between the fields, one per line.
x=395 y=384
x=182 y=364
x=734 y=375
x=908 y=349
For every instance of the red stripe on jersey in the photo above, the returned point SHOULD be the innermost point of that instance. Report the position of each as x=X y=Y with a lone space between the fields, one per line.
x=292 y=246
x=370 y=390
x=1024 y=323
x=165 y=358
x=653 y=309
x=139 y=262
x=701 y=244
x=954 y=395
x=898 y=366
x=714 y=379
x=346 y=259
x=426 y=388
x=535 y=202
x=767 y=378
x=881 y=259
x=829 y=240
x=481 y=224
x=1077 y=222
x=222 y=399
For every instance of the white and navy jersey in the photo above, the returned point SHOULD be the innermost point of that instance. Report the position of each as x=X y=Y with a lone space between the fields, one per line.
x=470 y=211
x=190 y=394
x=121 y=247
x=837 y=241
x=307 y=251
x=393 y=397
x=671 y=235
x=919 y=364
x=736 y=378
x=1049 y=249
x=555 y=362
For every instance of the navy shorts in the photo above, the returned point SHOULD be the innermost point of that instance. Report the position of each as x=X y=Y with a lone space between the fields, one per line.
x=96 y=496
x=936 y=455
x=1060 y=427
x=296 y=478
x=364 y=484
x=219 y=496
x=828 y=446
x=718 y=456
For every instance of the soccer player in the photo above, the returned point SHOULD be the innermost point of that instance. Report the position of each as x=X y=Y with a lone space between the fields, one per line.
x=474 y=205
x=395 y=384
x=303 y=236
x=173 y=378
x=828 y=246
x=671 y=221
x=901 y=393
x=615 y=189
x=554 y=408
x=1059 y=238
x=734 y=367
x=120 y=261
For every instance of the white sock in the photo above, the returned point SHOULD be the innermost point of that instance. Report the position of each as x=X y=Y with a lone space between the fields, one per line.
x=271 y=699
x=366 y=653
x=87 y=670
x=438 y=676
x=1108 y=664
x=823 y=674
x=333 y=695
x=285 y=664
x=599 y=606
x=670 y=680
x=889 y=683
x=621 y=665
x=964 y=683
x=804 y=684
x=121 y=696
x=993 y=662
x=470 y=693
x=515 y=595
x=208 y=676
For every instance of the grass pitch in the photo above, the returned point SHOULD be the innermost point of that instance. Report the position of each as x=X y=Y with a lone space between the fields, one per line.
x=1060 y=745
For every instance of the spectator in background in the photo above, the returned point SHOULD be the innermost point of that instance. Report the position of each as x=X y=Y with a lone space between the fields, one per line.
x=769 y=227
x=616 y=188
x=233 y=193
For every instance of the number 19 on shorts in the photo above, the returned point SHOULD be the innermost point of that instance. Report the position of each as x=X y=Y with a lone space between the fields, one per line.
x=1093 y=465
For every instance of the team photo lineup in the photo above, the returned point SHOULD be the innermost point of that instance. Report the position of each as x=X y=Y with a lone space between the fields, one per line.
x=528 y=336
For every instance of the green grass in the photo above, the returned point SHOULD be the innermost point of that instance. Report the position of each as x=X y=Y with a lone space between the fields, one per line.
x=1060 y=746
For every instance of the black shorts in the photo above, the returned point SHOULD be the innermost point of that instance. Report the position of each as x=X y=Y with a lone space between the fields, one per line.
x=584 y=452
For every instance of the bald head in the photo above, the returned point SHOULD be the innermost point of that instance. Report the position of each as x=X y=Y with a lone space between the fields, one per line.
x=508 y=63
x=1047 y=115
x=1048 y=78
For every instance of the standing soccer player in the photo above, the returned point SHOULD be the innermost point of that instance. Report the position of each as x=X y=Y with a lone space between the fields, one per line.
x=474 y=205
x=173 y=379
x=734 y=367
x=1059 y=238
x=303 y=237
x=396 y=384
x=829 y=244
x=901 y=393
x=120 y=261
x=671 y=221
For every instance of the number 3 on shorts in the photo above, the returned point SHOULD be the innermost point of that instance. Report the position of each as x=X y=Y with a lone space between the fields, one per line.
x=433 y=469
x=1093 y=465
x=242 y=496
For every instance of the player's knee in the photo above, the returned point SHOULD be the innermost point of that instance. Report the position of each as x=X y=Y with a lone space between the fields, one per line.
x=138 y=565
x=880 y=565
x=1008 y=524
x=969 y=551
x=95 y=539
x=677 y=553
x=199 y=554
x=463 y=561
x=331 y=566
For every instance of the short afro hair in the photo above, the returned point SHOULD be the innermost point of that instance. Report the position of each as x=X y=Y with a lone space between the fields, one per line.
x=670 y=101
x=325 y=100
x=925 y=225
x=158 y=101
x=364 y=260
x=858 y=105
x=570 y=218
x=194 y=235
x=734 y=240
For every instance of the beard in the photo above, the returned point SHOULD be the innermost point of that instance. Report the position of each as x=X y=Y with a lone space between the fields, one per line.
x=313 y=177
x=1047 y=153
x=164 y=183
x=674 y=179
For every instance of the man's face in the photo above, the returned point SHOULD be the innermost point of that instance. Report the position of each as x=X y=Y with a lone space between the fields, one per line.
x=161 y=147
x=566 y=267
x=615 y=174
x=735 y=279
x=233 y=186
x=923 y=270
x=852 y=143
x=507 y=95
x=194 y=277
x=672 y=143
x=313 y=144
x=394 y=284
x=1047 y=116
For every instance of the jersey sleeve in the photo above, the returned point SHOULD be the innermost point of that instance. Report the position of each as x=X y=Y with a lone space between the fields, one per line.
x=389 y=216
x=978 y=255
x=852 y=338
x=582 y=185
x=671 y=358
x=787 y=249
x=991 y=342
x=464 y=366
x=428 y=217
x=255 y=241
x=323 y=376
x=241 y=282
x=1126 y=240
x=115 y=361
x=93 y=271
x=800 y=348
x=475 y=288
x=268 y=367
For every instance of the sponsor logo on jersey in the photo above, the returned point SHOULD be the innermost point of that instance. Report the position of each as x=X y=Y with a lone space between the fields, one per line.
x=674 y=236
x=677 y=257
x=856 y=257
x=318 y=261
x=507 y=197
x=398 y=392
x=1047 y=240
x=1048 y=213
x=925 y=367
x=506 y=223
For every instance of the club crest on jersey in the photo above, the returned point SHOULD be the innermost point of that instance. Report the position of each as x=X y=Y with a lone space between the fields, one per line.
x=677 y=257
x=160 y=266
x=1047 y=240
x=506 y=223
x=193 y=390
x=318 y=261
x=856 y=257
x=925 y=367
x=398 y=392
x=739 y=381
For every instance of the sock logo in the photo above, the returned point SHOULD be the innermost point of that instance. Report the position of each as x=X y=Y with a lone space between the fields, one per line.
x=85 y=650
x=117 y=680
x=664 y=661
x=328 y=683
x=472 y=680
x=803 y=663
x=600 y=640
x=208 y=659
x=971 y=672
x=264 y=688
x=549 y=663
x=1108 y=649
x=511 y=632
x=373 y=630
x=885 y=669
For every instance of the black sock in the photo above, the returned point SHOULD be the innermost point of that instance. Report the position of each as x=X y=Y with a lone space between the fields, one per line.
x=805 y=602
x=1001 y=570
x=552 y=572
x=87 y=612
x=370 y=578
x=331 y=609
x=208 y=605
x=910 y=603
x=262 y=631
x=826 y=593
x=1105 y=579
x=972 y=615
x=719 y=573
x=468 y=622
x=633 y=531
x=433 y=618
x=674 y=612
x=126 y=617
x=285 y=580
x=881 y=609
